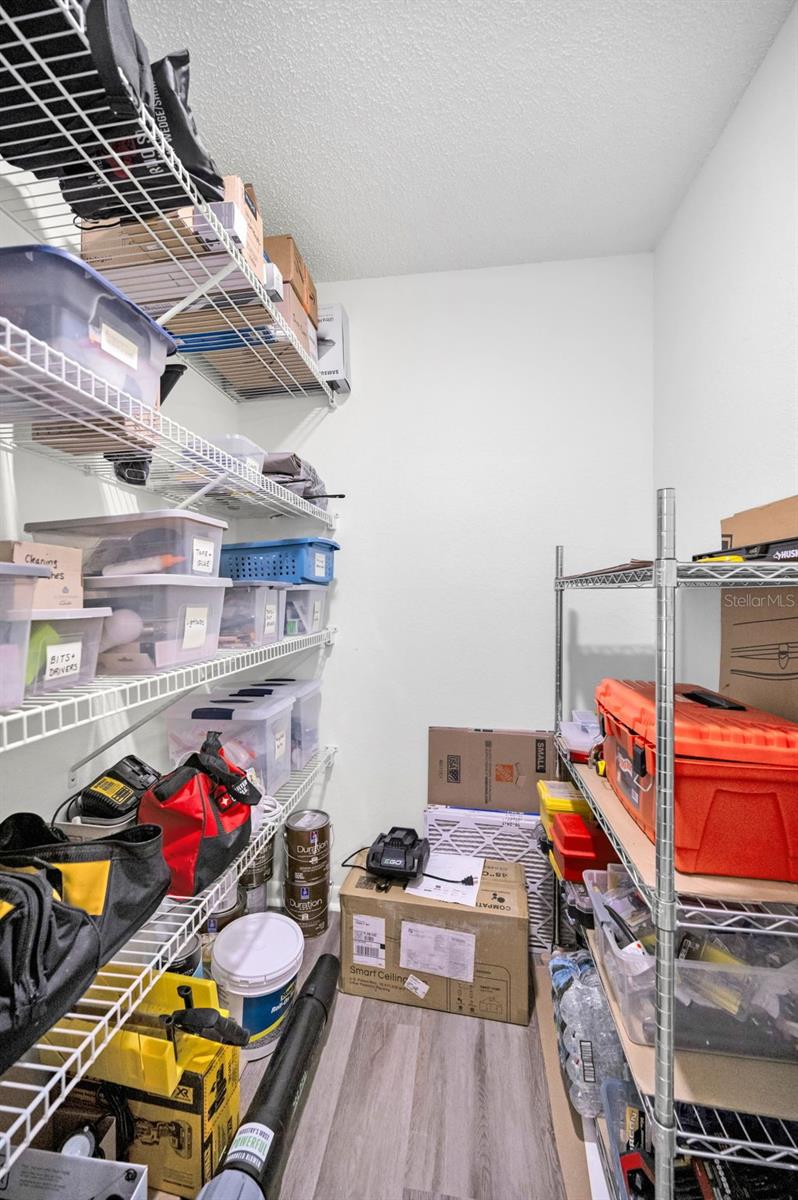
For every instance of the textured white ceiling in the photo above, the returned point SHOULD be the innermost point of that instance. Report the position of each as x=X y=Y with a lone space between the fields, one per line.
x=395 y=136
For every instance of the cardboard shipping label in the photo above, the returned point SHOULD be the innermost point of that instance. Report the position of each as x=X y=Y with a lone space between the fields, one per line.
x=437 y=951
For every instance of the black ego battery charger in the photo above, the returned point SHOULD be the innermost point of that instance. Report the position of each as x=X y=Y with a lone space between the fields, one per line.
x=400 y=854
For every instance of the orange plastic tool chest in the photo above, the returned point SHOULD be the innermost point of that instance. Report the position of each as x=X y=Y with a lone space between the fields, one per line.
x=735 y=778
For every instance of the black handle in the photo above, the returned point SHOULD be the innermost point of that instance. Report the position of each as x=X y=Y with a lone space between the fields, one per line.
x=713 y=700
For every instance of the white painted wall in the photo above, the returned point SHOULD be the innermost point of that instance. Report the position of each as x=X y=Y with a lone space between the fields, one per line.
x=726 y=330
x=495 y=412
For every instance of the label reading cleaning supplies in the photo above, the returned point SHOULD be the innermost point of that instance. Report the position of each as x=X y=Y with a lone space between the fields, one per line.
x=118 y=346
x=251 y=1145
x=63 y=660
x=202 y=555
x=368 y=941
x=195 y=627
x=437 y=951
x=320 y=565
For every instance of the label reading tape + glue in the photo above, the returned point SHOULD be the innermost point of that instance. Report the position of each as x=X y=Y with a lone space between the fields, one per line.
x=202 y=555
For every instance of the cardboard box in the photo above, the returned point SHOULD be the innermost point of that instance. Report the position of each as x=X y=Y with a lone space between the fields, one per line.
x=293 y=313
x=450 y=957
x=64 y=588
x=283 y=250
x=334 y=360
x=759 y=627
x=496 y=769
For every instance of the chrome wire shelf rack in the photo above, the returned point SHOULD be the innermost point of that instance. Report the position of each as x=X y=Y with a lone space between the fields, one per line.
x=754 y=574
x=51 y=406
x=106 y=696
x=735 y=1137
x=33 y=1088
x=191 y=283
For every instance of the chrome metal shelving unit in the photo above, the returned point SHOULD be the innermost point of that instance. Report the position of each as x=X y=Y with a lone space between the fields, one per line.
x=51 y=406
x=690 y=1129
x=33 y=1089
x=184 y=281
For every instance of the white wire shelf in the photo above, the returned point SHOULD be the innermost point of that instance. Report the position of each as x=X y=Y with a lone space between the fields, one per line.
x=703 y=1086
x=41 y=718
x=51 y=406
x=192 y=283
x=754 y=574
x=713 y=902
x=32 y=1090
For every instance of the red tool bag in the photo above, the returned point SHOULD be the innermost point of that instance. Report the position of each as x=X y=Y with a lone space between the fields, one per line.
x=203 y=808
x=735 y=778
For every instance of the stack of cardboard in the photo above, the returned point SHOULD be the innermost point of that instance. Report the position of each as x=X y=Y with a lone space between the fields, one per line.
x=299 y=306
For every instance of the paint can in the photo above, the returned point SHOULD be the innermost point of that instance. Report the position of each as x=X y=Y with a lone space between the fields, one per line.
x=307 y=836
x=190 y=961
x=255 y=880
x=308 y=904
x=255 y=963
x=219 y=919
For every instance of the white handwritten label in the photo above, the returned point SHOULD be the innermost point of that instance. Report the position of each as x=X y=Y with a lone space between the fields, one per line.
x=417 y=986
x=202 y=556
x=320 y=565
x=118 y=346
x=63 y=660
x=316 y=616
x=437 y=951
x=195 y=627
x=279 y=743
x=368 y=941
x=270 y=618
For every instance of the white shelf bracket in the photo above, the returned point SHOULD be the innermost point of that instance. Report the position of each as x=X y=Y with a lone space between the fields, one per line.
x=197 y=293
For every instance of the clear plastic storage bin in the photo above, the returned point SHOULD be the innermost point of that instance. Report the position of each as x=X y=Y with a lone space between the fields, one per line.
x=305 y=610
x=16 y=605
x=168 y=541
x=255 y=732
x=304 y=718
x=157 y=622
x=248 y=452
x=253 y=615
x=61 y=301
x=63 y=648
x=736 y=993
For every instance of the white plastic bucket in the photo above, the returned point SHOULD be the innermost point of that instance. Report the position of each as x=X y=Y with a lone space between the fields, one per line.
x=255 y=962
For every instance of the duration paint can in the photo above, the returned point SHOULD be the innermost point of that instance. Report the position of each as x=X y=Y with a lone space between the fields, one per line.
x=256 y=878
x=190 y=961
x=219 y=919
x=307 y=837
x=255 y=962
x=307 y=904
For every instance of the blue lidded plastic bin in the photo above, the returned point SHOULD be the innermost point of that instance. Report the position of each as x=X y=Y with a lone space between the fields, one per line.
x=62 y=301
x=292 y=560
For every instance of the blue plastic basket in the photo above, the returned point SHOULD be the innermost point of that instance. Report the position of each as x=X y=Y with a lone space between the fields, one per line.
x=292 y=560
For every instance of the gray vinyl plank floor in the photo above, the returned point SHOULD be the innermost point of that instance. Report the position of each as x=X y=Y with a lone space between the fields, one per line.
x=414 y=1105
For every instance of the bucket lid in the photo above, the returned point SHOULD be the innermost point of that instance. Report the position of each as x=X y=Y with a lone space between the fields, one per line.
x=308 y=818
x=259 y=949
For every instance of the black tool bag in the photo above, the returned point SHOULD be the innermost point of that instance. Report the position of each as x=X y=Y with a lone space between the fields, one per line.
x=119 y=880
x=46 y=133
x=49 y=954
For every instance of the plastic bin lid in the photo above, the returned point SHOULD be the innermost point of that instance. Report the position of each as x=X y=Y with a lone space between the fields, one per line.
x=256 y=708
x=702 y=730
x=68 y=614
x=274 y=584
x=171 y=344
x=96 y=583
x=120 y=520
x=297 y=687
x=20 y=569
x=306 y=541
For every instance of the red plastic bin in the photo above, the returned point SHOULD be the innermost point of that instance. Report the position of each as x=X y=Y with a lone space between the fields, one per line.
x=579 y=845
x=735 y=778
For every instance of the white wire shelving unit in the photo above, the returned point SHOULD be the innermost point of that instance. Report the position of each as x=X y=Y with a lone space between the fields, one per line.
x=32 y=1090
x=51 y=406
x=45 y=716
x=702 y=1130
x=186 y=282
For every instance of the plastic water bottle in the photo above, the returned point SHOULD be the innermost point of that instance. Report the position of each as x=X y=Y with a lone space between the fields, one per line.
x=589 y=1047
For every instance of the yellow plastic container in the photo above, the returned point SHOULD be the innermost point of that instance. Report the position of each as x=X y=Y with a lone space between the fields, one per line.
x=559 y=797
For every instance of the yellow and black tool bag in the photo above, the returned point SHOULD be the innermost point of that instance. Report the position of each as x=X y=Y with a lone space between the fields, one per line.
x=118 y=880
x=49 y=954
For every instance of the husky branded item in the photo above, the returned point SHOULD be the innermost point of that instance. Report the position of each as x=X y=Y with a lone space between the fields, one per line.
x=204 y=808
x=255 y=963
x=253 y=1165
x=49 y=954
x=735 y=778
x=118 y=880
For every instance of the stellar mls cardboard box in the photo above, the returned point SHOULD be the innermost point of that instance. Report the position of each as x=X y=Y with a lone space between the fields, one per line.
x=494 y=769
x=759 y=627
x=64 y=588
x=450 y=957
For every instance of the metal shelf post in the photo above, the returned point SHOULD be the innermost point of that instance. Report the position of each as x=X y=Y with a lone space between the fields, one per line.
x=558 y=566
x=665 y=906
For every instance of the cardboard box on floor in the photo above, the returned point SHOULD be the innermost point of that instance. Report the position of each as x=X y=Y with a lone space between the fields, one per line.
x=64 y=588
x=411 y=950
x=494 y=769
x=759 y=627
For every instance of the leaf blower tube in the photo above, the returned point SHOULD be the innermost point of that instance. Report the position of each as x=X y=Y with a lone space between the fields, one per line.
x=253 y=1165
